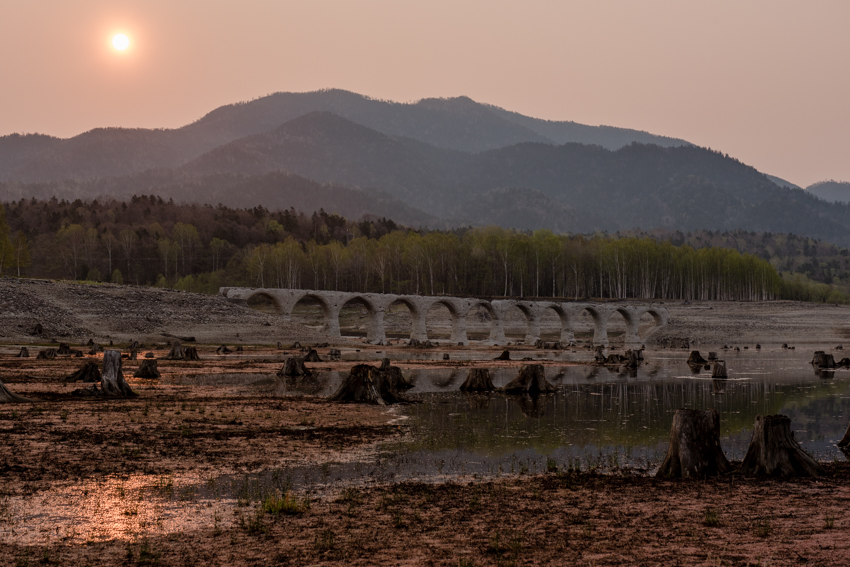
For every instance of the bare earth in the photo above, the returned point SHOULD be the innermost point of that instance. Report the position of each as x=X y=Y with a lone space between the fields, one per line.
x=84 y=481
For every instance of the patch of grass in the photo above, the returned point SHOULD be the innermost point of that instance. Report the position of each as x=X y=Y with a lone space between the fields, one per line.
x=254 y=525
x=711 y=519
x=551 y=465
x=325 y=540
x=828 y=521
x=762 y=527
x=286 y=504
x=63 y=415
x=464 y=563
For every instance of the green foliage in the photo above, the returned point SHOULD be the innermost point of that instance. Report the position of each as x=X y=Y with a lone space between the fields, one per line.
x=286 y=504
x=201 y=248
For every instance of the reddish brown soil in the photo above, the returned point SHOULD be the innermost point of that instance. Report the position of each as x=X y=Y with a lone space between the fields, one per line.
x=554 y=519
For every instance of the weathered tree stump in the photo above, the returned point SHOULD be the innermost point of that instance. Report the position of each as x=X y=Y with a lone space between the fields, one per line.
x=64 y=348
x=47 y=354
x=24 y=353
x=394 y=375
x=334 y=354
x=112 y=379
x=718 y=370
x=367 y=384
x=191 y=353
x=149 y=355
x=694 y=449
x=239 y=348
x=176 y=352
x=478 y=380
x=774 y=451
x=823 y=360
x=631 y=359
x=614 y=358
x=531 y=379
x=296 y=345
x=294 y=366
x=7 y=397
x=712 y=356
x=312 y=356
x=506 y=355
x=696 y=358
x=38 y=330
x=599 y=355
x=147 y=369
x=89 y=372
x=845 y=441
x=223 y=350
x=134 y=354
x=134 y=345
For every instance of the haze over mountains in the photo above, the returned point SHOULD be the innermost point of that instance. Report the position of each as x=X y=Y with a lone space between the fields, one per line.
x=437 y=162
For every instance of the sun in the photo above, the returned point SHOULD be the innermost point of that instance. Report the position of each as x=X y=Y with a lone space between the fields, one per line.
x=120 y=42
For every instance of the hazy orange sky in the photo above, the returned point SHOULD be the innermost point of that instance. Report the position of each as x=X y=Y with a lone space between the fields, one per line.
x=767 y=82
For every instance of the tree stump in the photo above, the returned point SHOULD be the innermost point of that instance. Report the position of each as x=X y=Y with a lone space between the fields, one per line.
x=25 y=353
x=47 y=354
x=532 y=405
x=134 y=345
x=506 y=355
x=394 y=376
x=696 y=358
x=239 y=348
x=614 y=358
x=823 y=360
x=334 y=354
x=845 y=441
x=147 y=369
x=599 y=355
x=478 y=380
x=774 y=451
x=191 y=353
x=112 y=379
x=694 y=449
x=294 y=366
x=531 y=379
x=64 y=348
x=176 y=352
x=631 y=359
x=7 y=397
x=149 y=355
x=296 y=345
x=712 y=356
x=718 y=370
x=38 y=330
x=367 y=384
x=88 y=373
x=312 y=356
x=223 y=350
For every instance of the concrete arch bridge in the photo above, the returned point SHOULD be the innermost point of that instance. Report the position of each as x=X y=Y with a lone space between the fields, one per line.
x=377 y=304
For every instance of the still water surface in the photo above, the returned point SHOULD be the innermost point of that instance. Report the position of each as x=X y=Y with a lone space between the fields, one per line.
x=601 y=418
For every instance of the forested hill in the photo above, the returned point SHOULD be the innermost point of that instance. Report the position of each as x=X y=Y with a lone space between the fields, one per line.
x=457 y=123
x=684 y=188
x=832 y=191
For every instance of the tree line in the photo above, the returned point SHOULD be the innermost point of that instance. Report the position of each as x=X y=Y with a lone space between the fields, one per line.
x=149 y=241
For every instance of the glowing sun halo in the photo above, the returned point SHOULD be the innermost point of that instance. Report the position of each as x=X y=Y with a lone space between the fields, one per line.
x=120 y=42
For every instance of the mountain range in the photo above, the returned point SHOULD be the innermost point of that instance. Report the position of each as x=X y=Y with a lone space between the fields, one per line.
x=436 y=162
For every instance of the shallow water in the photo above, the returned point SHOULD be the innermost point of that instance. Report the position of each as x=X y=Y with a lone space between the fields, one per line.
x=601 y=418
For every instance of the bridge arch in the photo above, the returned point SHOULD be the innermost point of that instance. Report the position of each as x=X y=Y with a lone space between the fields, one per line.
x=375 y=316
